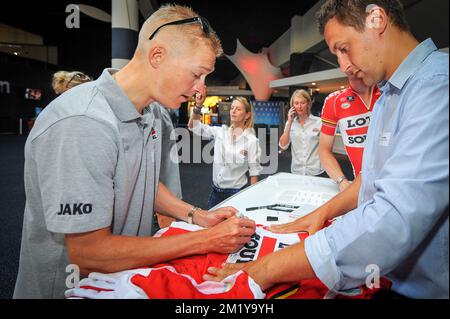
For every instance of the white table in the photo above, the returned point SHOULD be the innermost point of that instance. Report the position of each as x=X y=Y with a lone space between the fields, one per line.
x=283 y=188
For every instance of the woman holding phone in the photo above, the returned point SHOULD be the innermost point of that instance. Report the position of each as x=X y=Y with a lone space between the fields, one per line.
x=303 y=131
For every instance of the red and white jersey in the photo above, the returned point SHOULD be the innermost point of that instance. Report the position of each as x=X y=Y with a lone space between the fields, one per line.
x=263 y=242
x=347 y=109
x=183 y=278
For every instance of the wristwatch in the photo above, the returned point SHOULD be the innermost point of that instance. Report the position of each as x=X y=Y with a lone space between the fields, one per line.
x=197 y=110
x=341 y=179
x=191 y=214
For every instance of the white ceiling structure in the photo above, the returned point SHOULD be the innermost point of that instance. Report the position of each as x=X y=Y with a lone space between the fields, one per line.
x=257 y=70
x=427 y=18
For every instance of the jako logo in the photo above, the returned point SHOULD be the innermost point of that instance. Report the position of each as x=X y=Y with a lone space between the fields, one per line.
x=75 y=209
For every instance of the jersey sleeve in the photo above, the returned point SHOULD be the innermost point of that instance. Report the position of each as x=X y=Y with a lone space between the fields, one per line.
x=75 y=160
x=329 y=117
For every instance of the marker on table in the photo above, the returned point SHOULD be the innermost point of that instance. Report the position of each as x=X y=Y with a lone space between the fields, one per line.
x=273 y=207
x=280 y=209
x=287 y=206
x=248 y=209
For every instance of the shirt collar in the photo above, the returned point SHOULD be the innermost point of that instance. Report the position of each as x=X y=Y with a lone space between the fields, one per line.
x=410 y=65
x=375 y=89
x=245 y=132
x=117 y=99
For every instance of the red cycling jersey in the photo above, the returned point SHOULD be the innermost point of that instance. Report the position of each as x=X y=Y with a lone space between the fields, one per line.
x=347 y=109
x=183 y=277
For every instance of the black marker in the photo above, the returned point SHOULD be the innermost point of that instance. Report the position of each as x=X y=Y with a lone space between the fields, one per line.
x=256 y=208
x=280 y=209
x=287 y=206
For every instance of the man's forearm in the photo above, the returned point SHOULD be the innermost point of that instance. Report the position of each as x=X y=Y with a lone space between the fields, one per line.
x=169 y=205
x=330 y=164
x=343 y=202
x=287 y=265
x=110 y=253
x=291 y=264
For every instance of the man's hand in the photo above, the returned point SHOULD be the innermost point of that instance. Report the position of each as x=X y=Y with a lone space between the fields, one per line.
x=211 y=218
x=229 y=235
x=310 y=223
x=219 y=274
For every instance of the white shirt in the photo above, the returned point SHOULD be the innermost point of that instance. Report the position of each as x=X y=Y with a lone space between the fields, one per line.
x=232 y=160
x=305 y=146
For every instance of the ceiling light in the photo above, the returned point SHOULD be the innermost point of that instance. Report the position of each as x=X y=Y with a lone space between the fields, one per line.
x=314 y=83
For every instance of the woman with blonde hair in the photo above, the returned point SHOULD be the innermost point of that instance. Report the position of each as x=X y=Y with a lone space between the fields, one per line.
x=64 y=80
x=236 y=149
x=303 y=131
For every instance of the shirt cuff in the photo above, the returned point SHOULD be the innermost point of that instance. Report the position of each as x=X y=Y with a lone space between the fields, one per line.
x=255 y=171
x=196 y=127
x=322 y=261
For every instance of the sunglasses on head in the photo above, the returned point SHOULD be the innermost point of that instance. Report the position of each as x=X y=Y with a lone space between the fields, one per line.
x=202 y=21
x=79 y=76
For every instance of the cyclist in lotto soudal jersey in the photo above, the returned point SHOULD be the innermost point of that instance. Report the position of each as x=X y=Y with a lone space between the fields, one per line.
x=351 y=110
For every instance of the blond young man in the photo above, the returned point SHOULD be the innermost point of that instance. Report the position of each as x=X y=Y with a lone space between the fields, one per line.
x=92 y=166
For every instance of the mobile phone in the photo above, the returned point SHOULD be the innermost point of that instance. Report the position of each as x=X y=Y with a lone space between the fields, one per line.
x=295 y=113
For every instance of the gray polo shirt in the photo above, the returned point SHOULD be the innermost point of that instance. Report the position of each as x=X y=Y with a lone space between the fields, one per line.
x=170 y=170
x=91 y=162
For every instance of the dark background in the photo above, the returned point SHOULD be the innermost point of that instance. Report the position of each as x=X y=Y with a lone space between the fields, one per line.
x=257 y=24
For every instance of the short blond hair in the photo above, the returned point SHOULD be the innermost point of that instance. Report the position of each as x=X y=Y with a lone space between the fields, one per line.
x=173 y=12
x=64 y=80
x=303 y=94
